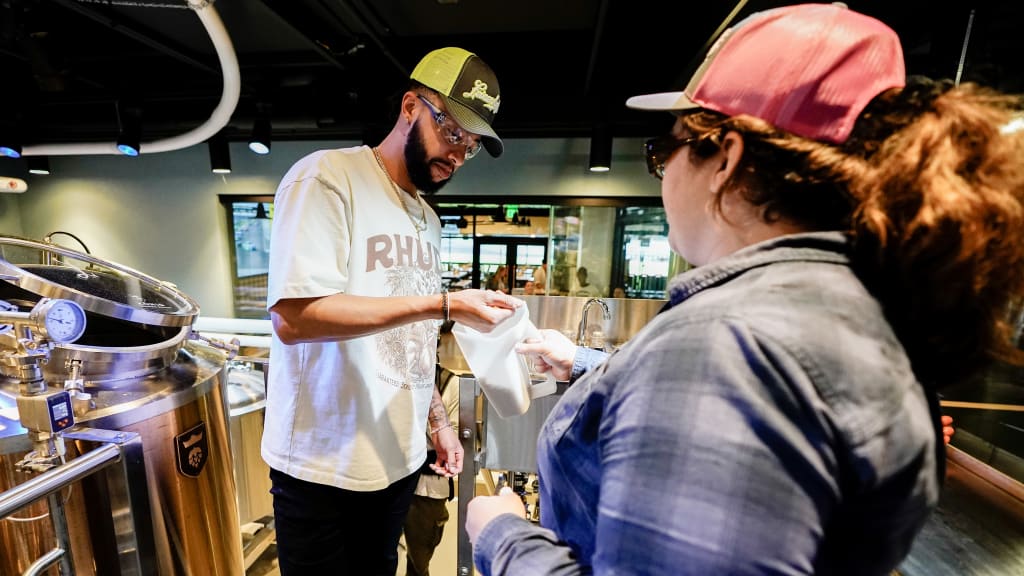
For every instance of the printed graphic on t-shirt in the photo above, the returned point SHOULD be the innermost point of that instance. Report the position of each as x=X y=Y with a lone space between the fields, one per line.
x=408 y=352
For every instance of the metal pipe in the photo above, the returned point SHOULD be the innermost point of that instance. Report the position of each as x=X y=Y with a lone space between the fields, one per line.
x=44 y=562
x=963 y=49
x=60 y=528
x=370 y=33
x=471 y=446
x=53 y=480
x=699 y=57
x=136 y=35
x=595 y=46
x=316 y=45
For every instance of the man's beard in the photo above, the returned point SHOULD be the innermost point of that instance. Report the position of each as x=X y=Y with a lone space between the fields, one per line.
x=418 y=165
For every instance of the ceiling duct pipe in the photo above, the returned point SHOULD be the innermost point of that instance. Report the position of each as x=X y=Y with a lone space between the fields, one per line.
x=368 y=30
x=219 y=118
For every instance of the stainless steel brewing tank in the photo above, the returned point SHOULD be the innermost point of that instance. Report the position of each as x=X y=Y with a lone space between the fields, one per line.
x=144 y=376
x=247 y=398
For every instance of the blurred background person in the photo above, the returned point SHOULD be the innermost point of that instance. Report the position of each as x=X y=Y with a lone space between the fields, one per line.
x=583 y=285
x=428 y=511
x=540 y=278
x=499 y=280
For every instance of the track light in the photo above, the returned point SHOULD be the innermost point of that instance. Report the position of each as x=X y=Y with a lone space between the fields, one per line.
x=10 y=150
x=220 y=155
x=11 y=139
x=601 y=149
x=128 y=146
x=129 y=141
x=39 y=165
x=260 y=140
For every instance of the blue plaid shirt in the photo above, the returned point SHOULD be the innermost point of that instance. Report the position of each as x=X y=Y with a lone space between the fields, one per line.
x=767 y=423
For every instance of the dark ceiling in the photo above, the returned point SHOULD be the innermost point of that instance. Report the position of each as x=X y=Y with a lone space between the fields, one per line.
x=332 y=69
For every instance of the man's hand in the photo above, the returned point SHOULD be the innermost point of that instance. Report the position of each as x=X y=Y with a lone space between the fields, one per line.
x=481 y=310
x=449 y=452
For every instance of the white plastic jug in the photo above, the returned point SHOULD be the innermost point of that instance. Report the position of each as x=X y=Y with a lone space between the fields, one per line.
x=503 y=374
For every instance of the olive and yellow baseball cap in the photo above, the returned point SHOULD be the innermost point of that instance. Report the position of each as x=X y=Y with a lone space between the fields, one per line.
x=469 y=89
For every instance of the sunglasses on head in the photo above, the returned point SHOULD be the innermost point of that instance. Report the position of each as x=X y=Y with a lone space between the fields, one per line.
x=658 y=151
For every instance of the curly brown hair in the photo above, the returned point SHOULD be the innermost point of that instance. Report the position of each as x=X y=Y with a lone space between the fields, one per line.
x=931 y=190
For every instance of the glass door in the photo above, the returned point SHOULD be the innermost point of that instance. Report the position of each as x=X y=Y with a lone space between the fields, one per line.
x=490 y=257
x=528 y=256
x=519 y=256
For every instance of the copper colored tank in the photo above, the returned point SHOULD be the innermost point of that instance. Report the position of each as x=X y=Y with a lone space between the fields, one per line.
x=146 y=376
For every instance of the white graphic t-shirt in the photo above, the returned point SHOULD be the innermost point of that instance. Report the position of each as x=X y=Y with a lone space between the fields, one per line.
x=349 y=413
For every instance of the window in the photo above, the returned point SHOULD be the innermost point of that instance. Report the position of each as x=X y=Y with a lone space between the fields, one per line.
x=249 y=221
x=624 y=246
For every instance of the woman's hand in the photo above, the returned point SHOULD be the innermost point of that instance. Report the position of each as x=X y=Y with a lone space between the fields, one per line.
x=555 y=354
x=947 y=428
x=482 y=509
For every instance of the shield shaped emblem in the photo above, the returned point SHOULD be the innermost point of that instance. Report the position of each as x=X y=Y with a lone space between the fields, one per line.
x=191 y=449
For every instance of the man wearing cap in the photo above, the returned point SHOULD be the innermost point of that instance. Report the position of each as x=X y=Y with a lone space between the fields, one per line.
x=356 y=302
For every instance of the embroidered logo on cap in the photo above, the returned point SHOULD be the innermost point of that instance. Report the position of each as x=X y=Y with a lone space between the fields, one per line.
x=479 y=92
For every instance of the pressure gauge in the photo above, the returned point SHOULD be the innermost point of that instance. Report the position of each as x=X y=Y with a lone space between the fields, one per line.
x=62 y=321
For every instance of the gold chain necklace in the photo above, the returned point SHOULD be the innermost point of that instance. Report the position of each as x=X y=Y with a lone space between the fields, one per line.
x=422 y=224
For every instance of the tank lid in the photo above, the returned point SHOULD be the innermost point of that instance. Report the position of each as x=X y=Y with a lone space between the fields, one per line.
x=98 y=286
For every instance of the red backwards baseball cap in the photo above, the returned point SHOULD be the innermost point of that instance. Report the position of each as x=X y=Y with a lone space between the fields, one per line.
x=808 y=69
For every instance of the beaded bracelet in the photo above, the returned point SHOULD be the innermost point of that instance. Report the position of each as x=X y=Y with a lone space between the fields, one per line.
x=444 y=305
x=442 y=427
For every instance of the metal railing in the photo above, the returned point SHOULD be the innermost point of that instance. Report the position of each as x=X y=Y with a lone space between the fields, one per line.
x=133 y=540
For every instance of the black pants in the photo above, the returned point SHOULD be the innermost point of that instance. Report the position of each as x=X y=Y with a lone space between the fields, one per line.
x=326 y=530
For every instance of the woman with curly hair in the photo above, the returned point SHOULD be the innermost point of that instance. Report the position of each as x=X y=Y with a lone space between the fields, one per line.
x=858 y=243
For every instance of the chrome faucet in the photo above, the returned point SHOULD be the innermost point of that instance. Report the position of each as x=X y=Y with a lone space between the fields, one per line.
x=581 y=334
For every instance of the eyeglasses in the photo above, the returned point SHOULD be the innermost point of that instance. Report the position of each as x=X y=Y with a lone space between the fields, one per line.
x=659 y=151
x=454 y=135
